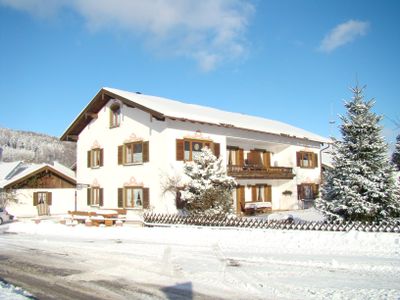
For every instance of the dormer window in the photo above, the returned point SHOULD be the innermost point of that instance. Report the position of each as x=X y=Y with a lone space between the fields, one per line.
x=115 y=115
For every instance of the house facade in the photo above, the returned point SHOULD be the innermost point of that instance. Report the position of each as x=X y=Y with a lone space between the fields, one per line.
x=31 y=190
x=128 y=143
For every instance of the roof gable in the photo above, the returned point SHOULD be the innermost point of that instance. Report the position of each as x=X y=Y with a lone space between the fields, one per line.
x=25 y=172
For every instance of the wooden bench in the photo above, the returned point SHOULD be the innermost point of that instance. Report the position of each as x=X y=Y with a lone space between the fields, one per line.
x=107 y=217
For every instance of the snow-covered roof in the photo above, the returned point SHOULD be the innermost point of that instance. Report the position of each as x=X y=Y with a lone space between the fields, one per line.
x=6 y=168
x=25 y=170
x=166 y=108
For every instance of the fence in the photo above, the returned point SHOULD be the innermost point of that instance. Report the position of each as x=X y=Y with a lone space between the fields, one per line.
x=153 y=219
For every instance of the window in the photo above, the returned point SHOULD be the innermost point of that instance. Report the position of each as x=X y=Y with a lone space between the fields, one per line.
x=235 y=156
x=261 y=193
x=307 y=159
x=115 y=115
x=95 y=158
x=133 y=197
x=308 y=191
x=95 y=196
x=42 y=198
x=189 y=149
x=133 y=153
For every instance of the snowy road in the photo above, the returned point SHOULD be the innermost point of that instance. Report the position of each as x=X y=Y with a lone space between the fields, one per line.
x=59 y=262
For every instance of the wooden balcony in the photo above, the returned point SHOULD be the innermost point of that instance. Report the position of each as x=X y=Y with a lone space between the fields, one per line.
x=257 y=171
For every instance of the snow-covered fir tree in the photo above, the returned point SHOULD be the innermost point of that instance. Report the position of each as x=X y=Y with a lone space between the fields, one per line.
x=209 y=189
x=396 y=153
x=361 y=185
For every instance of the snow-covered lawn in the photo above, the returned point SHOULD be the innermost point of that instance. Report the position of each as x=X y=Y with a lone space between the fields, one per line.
x=9 y=291
x=217 y=263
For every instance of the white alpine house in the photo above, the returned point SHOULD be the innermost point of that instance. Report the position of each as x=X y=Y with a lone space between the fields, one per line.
x=126 y=142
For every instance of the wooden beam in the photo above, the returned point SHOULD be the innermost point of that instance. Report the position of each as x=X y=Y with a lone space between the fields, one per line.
x=72 y=137
x=91 y=115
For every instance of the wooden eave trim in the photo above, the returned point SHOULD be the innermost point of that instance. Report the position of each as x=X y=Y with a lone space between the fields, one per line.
x=241 y=128
x=44 y=168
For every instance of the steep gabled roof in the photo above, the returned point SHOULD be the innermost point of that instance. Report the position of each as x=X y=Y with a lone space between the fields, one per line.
x=25 y=171
x=162 y=108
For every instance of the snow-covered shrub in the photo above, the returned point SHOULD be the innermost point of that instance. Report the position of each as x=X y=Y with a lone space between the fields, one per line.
x=209 y=189
x=361 y=185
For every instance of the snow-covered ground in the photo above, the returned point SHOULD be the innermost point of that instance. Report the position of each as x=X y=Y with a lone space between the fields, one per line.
x=9 y=291
x=213 y=263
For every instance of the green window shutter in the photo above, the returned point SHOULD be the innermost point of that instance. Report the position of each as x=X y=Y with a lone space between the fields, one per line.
x=101 y=200
x=179 y=150
x=89 y=163
x=146 y=198
x=88 y=191
x=35 y=199
x=145 y=150
x=120 y=197
x=49 y=198
x=120 y=154
x=216 y=149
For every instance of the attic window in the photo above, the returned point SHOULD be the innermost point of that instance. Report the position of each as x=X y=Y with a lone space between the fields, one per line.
x=115 y=115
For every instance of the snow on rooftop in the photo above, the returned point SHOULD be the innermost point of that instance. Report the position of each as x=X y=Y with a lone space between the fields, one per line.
x=6 y=168
x=176 y=109
x=21 y=170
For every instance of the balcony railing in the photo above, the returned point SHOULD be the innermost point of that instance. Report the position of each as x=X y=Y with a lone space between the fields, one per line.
x=256 y=171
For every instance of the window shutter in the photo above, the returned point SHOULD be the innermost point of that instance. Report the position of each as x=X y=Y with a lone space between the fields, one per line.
x=216 y=149
x=298 y=158
x=179 y=150
x=35 y=199
x=299 y=192
x=267 y=193
x=267 y=159
x=89 y=163
x=145 y=151
x=315 y=188
x=120 y=154
x=120 y=197
x=240 y=157
x=49 y=198
x=101 y=200
x=88 y=196
x=240 y=201
x=101 y=157
x=253 y=193
x=146 y=200
x=315 y=160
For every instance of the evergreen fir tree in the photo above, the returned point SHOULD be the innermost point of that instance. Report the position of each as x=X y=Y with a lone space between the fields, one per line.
x=396 y=154
x=361 y=185
x=209 y=190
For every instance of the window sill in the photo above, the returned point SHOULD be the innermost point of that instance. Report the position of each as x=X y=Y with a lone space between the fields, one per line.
x=133 y=164
x=133 y=208
x=95 y=167
x=115 y=126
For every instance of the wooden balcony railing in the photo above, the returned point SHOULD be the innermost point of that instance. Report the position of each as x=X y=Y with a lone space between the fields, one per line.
x=256 y=171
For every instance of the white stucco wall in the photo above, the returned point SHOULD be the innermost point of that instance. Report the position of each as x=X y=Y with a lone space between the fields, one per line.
x=162 y=137
x=63 y=200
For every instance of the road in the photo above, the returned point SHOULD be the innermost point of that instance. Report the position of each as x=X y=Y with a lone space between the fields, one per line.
x=196 y=264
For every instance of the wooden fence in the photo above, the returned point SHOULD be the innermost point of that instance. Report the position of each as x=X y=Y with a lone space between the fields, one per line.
x=153 y=219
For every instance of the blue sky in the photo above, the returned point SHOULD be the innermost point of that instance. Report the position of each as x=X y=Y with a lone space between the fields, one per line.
x=291 y=61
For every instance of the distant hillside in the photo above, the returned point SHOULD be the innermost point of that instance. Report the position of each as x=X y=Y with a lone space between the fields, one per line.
x=35 y=147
